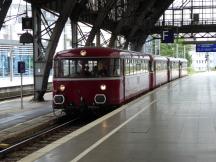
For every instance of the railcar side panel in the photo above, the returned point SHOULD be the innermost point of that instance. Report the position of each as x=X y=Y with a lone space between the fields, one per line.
x=135 y=84
x=108 y=77
x=161 y=77
x=183 y=68
x=160 y=69
x=174 y=74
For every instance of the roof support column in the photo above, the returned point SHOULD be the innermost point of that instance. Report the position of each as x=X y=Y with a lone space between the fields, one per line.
x=138 y=45
x=98 y=38
x=119 y=26
x=126 y=45
x=43 y=68
x=74 y=34
x=112 y=40
x=37 y=51
x=4 y=7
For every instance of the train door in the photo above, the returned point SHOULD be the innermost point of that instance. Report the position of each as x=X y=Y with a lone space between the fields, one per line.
x=152 y=74
x=168 y=71
x=180 y=69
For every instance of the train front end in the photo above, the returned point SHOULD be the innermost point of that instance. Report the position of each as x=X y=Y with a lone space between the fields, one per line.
x=87 y=78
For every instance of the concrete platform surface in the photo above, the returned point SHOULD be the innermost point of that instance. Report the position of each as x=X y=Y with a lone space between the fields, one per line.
x=174 y=123
x=11 y=113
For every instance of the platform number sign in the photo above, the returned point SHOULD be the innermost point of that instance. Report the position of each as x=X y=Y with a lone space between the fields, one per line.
x=21 y=67
x=167 y=36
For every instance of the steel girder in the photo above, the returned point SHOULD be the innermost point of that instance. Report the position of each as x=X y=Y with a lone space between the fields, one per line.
x=146 y=7
x=103 y=12
x=149 y=21
x=122 y=24
x=43 y=66
x=100 y=17
x=43 y=55
x=143 y=11
x=74 y=34
x=4 y=6
x=186 y=28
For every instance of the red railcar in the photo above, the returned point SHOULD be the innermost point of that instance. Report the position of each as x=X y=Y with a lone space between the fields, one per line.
x=95 y=77
x=183 y=67
x=174 y=67
x=161 y=73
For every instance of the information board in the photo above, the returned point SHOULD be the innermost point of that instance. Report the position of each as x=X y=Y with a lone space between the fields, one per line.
x=205 y=47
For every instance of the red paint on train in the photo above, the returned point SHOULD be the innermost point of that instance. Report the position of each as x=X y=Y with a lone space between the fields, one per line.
x=97 y=77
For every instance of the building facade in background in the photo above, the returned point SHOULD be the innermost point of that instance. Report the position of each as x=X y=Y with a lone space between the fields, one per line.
x=11 y=51
x=203 y=61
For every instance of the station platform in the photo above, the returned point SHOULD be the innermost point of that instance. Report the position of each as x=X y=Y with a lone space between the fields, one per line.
x=11 y=113
x=174 y=123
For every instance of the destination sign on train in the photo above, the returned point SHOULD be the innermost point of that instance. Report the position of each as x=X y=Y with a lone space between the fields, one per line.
x=205 y=47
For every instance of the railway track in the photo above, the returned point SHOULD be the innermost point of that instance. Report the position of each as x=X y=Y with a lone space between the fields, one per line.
x=33 y=143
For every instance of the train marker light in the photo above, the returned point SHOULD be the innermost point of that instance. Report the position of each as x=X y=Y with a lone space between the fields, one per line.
x=103 y=87
x=83 y=53
x=62 y=88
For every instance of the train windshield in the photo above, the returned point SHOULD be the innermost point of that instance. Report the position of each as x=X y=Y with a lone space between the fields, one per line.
x=87 y=68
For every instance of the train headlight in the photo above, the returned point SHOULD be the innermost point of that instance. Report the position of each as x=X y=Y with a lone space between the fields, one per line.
x=62 y=88
x=103 y=87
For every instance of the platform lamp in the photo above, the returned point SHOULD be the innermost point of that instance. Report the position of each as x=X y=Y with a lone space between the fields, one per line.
x=26 y=38
x=26 y=24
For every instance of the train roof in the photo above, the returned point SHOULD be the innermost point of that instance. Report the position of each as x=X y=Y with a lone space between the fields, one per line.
x=173 y=59
x=160 y=58
x=86 y=52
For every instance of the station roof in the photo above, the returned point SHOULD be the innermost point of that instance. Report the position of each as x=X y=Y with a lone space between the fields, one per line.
x=133 y=19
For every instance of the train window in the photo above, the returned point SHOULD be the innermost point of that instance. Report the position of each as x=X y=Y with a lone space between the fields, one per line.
x=72 y=67
x=138 y=66
x=81 y=68
x=127 y=67
x=114 y=67
x=148 y=66
x=134 y=66
x=131 y=67
x=141 y=66
x=56 y=68
x=164 y=65
x=144 y=68
x=158 y=66
x=65 y=64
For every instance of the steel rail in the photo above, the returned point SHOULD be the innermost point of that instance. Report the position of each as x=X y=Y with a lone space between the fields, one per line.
x=10 y=149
